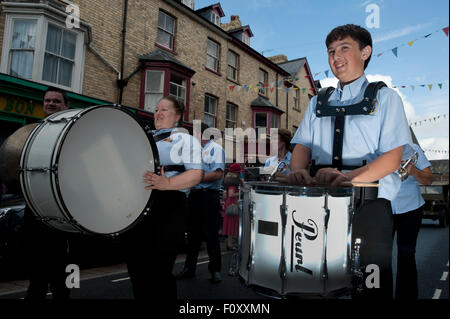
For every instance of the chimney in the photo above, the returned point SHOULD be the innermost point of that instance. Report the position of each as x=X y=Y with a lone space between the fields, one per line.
x=234 y=23
x=277 y=59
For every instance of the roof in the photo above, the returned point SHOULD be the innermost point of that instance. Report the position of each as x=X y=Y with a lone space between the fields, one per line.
x=243 y=28
x=293 y=66
x=212 y=7
x=262 y=102
x=161 y=55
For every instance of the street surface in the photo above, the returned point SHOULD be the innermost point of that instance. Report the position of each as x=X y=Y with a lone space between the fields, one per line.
x=113 y=282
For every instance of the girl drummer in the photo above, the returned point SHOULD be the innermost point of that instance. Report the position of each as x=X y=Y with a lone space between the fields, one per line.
x=151 y=247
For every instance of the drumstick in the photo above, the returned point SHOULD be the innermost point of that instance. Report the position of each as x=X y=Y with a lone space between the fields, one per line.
x=284 y=179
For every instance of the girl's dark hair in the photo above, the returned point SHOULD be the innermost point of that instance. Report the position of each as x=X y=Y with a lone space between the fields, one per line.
x=178 y=106
x=357 y=33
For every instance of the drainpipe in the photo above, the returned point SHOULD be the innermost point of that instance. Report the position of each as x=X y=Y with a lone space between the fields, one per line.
x=122 y=83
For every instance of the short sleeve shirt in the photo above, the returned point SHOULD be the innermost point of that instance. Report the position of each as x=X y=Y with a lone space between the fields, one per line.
x=273 y=162
x=409 y=197
x=179 y=149
x=366 y=137
x=213 y=158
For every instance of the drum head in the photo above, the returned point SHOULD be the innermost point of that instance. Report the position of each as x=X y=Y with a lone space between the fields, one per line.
x=101 y=161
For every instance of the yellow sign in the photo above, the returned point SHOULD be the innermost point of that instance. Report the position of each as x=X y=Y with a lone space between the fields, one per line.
x=21 y=106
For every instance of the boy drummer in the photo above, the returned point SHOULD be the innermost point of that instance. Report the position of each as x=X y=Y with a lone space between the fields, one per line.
x=340 y=146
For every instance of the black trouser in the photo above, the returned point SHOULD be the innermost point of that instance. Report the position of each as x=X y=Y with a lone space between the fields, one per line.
x=203 y=224
x=47 y=255
x=373 y=224
x=407 y=226
x=151 y=247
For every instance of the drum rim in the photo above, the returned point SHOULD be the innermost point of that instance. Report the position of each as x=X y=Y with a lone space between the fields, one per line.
x=299 y=190
x=55 y=160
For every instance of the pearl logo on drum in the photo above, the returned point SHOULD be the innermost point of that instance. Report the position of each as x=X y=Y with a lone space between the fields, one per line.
x=309 y=233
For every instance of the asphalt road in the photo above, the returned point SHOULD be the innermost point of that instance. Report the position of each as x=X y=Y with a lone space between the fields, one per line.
x=432 y=262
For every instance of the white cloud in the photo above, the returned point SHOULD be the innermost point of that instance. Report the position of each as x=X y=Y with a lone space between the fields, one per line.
x=400 y=32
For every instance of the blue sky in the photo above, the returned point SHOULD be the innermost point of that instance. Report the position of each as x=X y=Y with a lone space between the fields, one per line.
x=299 y=28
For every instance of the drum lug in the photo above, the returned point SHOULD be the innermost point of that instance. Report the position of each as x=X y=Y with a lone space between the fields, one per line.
x=355 y=266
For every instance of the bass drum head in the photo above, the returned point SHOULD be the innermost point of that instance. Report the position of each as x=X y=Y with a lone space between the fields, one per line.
x=101 y=161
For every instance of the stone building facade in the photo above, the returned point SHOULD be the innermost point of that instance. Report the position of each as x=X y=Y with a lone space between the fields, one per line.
x=134 y=52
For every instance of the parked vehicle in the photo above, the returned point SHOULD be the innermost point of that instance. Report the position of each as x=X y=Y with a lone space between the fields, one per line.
x=436 y=198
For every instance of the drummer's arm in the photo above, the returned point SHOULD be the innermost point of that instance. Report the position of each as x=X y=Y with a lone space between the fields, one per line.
x=300 y=158
x=186 y=179
x=384 y=165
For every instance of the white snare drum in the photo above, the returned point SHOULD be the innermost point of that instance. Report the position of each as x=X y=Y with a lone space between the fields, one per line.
x=81 y=170
x=296 y=240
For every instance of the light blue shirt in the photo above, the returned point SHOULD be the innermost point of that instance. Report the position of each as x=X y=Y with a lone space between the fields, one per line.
x=179 y=149
x=409 y=197
x=272 y=163
x=366 y=137
x=213 y=157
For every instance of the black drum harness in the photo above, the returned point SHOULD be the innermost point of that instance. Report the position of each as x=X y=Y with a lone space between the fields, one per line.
x=169 y=168
x=323 y=109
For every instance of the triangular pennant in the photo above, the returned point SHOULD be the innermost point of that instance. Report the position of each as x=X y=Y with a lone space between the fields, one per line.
x=430 y=86
x=326 y=73
x=271 y=90
x=232 y=87
x=411 y=43
x=445 y=31
x=394 y=50
x=303 y=90
x=440 y=85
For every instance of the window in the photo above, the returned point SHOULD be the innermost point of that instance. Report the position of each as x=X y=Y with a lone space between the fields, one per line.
x=260 y=119
x=154 y=89
x=39 y=48
x=22 y=48
x=296 y=104
x=263 y=80
x=189 y=3
x=231 y=115
x=59 y=56
x=245 y=38
x=214 y=18
x=166 y=30
x=212 y=55
x=178 y=87
x=210 y=110
x=233 y=66
x=275 y=121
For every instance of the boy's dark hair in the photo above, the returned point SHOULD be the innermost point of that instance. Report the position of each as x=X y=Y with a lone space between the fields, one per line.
x=58 y=90
x=357 y=33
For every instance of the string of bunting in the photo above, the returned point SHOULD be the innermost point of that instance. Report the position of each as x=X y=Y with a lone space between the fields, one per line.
x=436 y=151
x=395 y=50
x=433 y=119
x=263 y=87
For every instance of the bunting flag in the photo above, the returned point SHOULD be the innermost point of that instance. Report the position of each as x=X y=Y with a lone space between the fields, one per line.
x=410 y=43
x=394 y=50
x=433 y=119
x=436 y=151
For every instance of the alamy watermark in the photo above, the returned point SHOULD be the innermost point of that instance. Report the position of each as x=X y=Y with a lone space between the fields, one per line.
x=373 y=19
x=73 y=19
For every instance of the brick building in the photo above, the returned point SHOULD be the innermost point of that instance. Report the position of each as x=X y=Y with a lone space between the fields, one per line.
x=134 y=52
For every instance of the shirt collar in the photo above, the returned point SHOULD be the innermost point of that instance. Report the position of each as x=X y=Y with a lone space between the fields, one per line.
x=351 y=90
